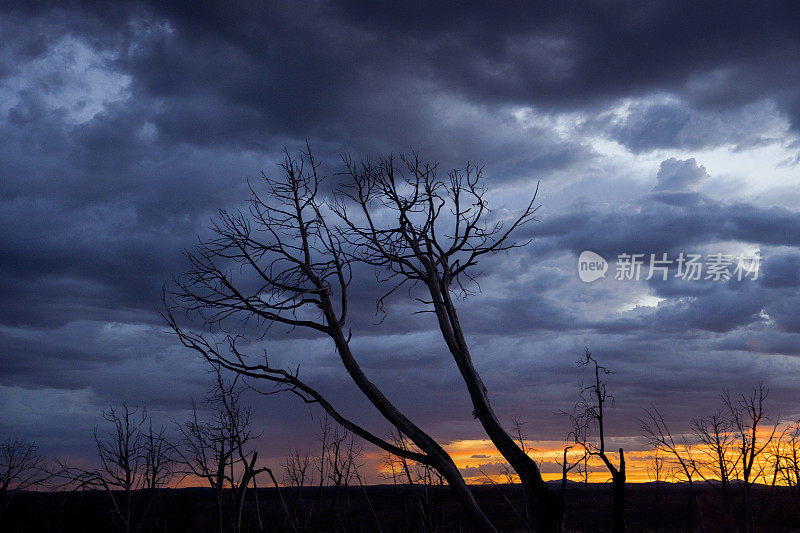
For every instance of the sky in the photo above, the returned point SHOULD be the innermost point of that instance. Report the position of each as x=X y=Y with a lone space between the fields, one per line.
x=665 y=128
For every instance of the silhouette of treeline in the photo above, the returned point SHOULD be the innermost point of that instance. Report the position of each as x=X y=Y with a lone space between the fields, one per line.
x=737 y=469
x=287 y=260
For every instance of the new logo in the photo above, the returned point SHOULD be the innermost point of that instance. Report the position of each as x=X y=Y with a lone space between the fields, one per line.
x=591 y=266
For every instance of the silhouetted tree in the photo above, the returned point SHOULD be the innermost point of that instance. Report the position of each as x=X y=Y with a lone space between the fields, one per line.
x=787 y=461
x=754 y=432
x=656 y=474
x=303 y=269
x=661 y=439
x=21 y=468
x=422 y=229
x=717 y=462
x=123 y=455
x=297 y=473
x=567 y=466
x=219 y=450
x=589 y=415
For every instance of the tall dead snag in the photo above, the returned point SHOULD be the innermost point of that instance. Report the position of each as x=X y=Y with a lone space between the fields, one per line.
x=294 y=271
x=21 y=468
x=588 y=416
x=419 y=228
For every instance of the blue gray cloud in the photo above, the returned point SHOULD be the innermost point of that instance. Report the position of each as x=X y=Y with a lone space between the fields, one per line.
x=125 y=128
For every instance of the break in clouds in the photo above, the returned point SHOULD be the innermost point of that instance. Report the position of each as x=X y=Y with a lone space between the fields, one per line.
x=127 y=126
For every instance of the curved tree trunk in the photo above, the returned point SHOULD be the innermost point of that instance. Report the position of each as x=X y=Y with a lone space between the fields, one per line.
x=439 y=458
x=542 y=506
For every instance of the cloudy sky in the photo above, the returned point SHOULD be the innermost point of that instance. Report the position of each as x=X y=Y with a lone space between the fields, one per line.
x=652 y=129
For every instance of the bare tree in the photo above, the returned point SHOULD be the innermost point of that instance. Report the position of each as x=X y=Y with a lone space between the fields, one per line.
x=159 y=461
x=421 y=229
x=302 y=273
x=717 y=462
x=656 y=474
x=588 y=416
x=298 y=473
x=21 y=468
x=660 y=437
x=220 y=451
x=754 y=432
x=426 y=486
x=122 y=462
x=787 y=460
x=159 y=466
x=297 y=470
x=205 y=453
x=567 y=466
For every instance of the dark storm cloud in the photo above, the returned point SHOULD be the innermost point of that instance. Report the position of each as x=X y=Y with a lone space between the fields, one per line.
x=126 y=125
x=658 y=227
x=653 y=124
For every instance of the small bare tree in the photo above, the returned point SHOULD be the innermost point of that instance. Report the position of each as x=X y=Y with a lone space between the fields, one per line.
x=122 y=455
x=219 y=450
x=205 y=453
x=717 y=461
x=787 y=461
x=21 y=468
x=297 y=474
x=589 y=415
x=754 y=432
x=567 y=465
x=661 y=439
x=425 y=483
x=656 y=474
x=159 y=461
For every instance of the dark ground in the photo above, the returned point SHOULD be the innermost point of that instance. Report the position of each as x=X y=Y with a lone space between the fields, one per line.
x=389 y=508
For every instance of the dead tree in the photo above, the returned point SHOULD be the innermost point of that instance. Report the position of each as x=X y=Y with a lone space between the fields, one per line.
x=717 y=461
x=302 y=275
x=421 y=229
x=122 y=462
x=567 y=466
x=159 y=466
x=589 y=415
x=297 y=474
x=754 y=432
x=159 y=461
x=204 y=452
x=661 y=439
x=656 y=474
x=219 y=450
x=787 y=461
x=21 y=468
x=422 y=480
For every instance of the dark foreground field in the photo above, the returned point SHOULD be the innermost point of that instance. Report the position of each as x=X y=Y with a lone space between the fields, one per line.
x=389 y=508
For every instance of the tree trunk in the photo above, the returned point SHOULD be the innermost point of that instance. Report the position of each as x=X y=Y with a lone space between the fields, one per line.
x=618 y=495
x=439 y=458
x=542 y=506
